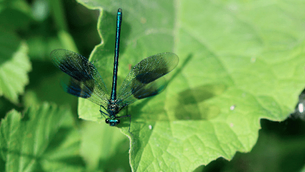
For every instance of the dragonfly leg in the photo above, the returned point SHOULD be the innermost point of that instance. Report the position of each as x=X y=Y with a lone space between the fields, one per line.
x=103 y=113
x=125 y=117
x=126 y=113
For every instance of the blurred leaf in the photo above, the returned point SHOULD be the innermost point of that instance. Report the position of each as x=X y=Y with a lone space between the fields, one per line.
x=14 y=65
x=12 y=19
x=40 y=9
x=6 y=106
x=42 y=140
x=20 y=5
x=40 y=46
x=60 y=20
x=240 y=61
x=45 y=86
x=108 y=151
x=272 y=152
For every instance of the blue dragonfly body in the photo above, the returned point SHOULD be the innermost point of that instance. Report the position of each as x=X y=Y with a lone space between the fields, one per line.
x=142 y=81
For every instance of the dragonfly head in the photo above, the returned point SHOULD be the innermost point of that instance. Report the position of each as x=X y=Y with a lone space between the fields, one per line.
x=112 y=122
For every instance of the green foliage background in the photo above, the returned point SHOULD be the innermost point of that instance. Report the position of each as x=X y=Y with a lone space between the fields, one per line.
x=241 y=62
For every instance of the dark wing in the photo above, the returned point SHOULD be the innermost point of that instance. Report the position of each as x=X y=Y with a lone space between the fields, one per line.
x=84 y=81
x=144 y=79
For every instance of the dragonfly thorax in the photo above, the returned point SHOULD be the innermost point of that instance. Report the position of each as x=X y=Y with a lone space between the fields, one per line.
x=113 y=108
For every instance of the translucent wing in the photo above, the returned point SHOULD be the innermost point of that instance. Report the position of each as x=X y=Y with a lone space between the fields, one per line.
x=84 y=81
x=144 y=79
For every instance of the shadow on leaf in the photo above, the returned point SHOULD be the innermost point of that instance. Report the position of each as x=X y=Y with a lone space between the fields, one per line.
x=190 y=105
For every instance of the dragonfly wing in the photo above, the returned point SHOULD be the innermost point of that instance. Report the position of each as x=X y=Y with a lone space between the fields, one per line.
x=147 y=90
x=144 y=79
x=85 y=80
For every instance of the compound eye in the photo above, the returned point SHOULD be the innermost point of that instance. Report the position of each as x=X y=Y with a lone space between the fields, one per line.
x=107 y=121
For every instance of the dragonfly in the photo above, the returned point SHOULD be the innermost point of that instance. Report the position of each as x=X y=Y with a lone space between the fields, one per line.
x=144 y=79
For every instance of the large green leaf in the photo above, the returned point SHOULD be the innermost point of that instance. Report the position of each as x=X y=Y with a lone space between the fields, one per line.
x=240 y=61
x=42 y=140
x=104 y=148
